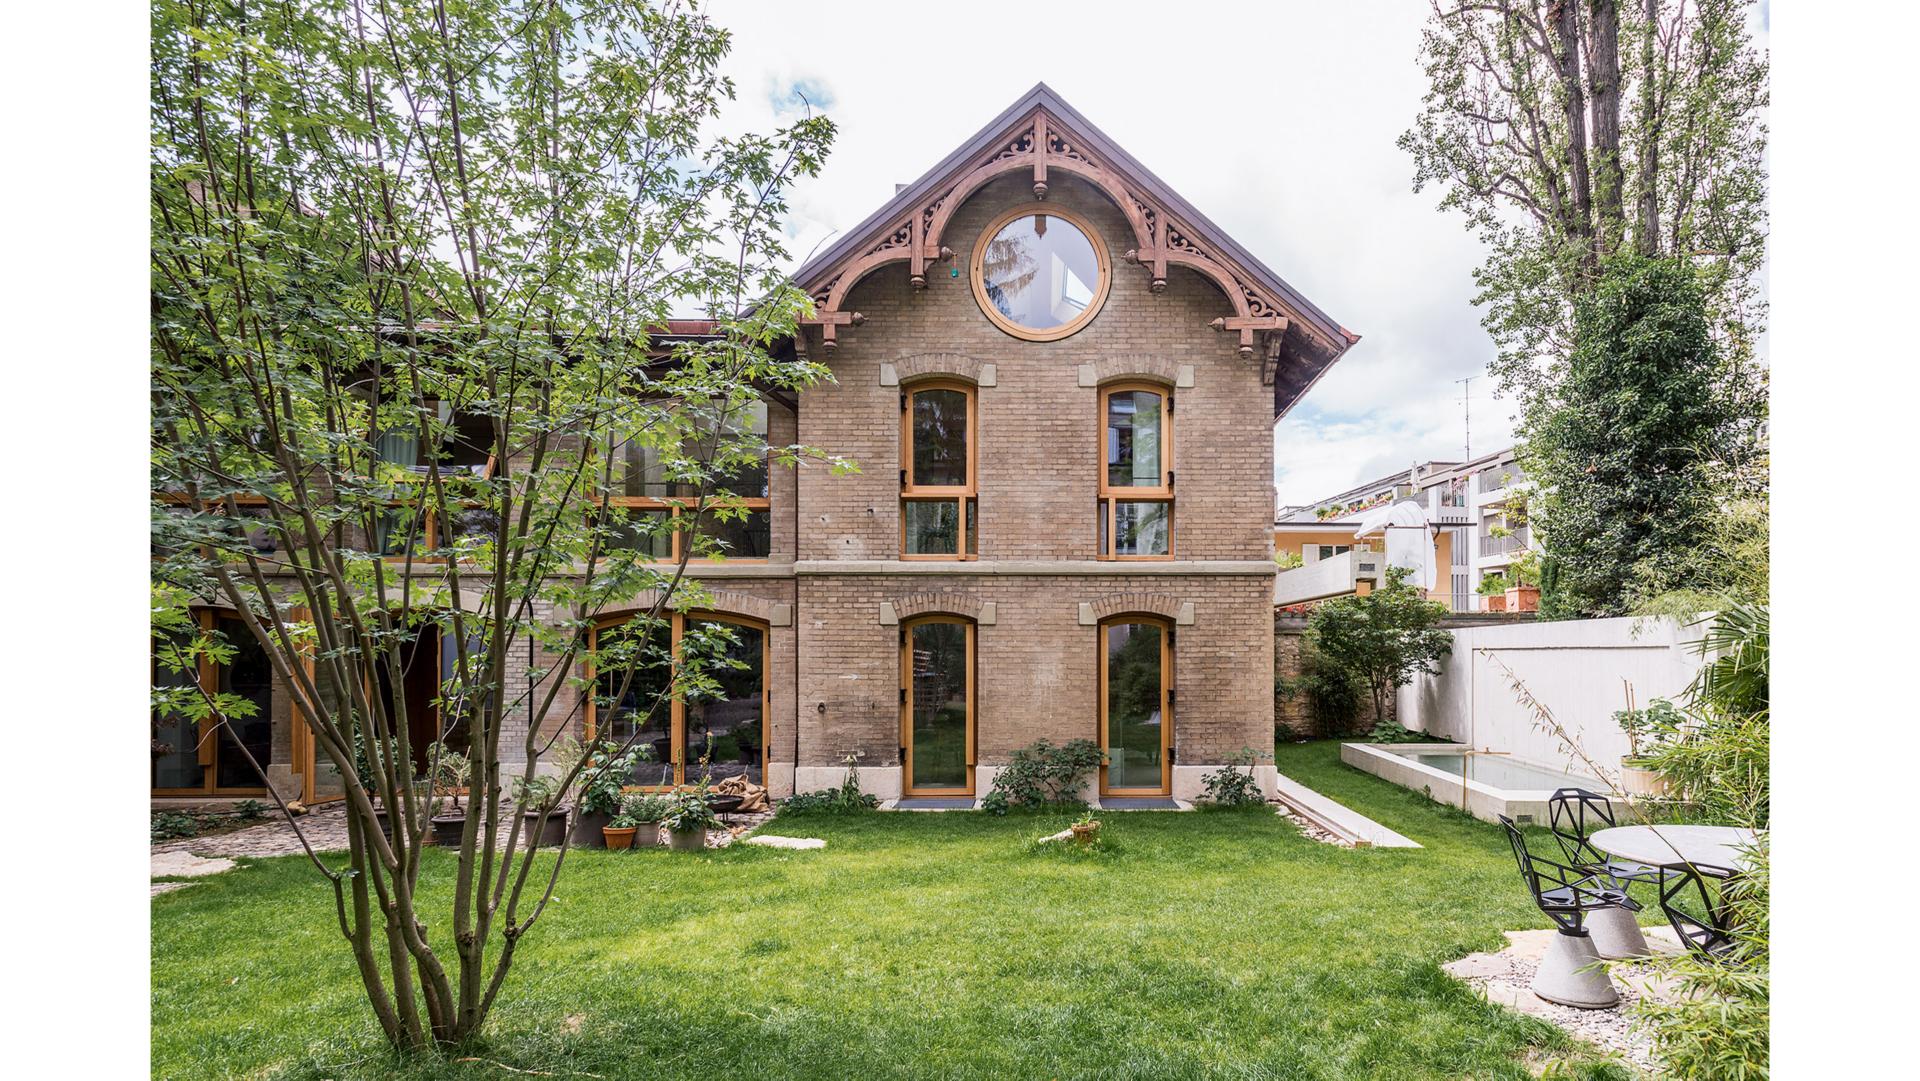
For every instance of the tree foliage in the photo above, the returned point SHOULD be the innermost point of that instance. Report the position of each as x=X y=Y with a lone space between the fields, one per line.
x=1648 y=430
x=411 y=269
x=1566 y=132
x=1383 y=639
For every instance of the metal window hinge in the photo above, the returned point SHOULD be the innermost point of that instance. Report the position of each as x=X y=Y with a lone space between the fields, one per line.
x=1173 y=696
x=903 y=478
x=1170 y=400
x=1169 y=479
x=903 y=696
x=1173 y=756
x=903 y=756
x=903 y=401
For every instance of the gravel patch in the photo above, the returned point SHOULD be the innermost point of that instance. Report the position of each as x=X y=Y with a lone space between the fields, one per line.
x=1506 y=977
x=1307 y=827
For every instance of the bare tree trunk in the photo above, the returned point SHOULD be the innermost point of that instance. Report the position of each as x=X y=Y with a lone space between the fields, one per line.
x=1566 y=58
x=1603 y=74
x=1647 y=233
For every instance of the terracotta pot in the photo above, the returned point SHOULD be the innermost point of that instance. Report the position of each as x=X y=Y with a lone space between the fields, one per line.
x=618 y=837
x=1084 y=834
x=692 y=840
x=1497 y=602
x=1523 y=599
x=1636 y=781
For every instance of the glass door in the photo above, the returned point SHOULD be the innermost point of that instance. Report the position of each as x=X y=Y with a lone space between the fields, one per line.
x=1136 y=719
x=937 y=706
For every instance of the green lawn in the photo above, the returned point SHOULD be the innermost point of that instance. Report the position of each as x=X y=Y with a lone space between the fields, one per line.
x=919 y=946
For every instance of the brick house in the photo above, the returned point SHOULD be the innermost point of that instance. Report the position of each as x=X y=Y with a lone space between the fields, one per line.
x=1059 y=381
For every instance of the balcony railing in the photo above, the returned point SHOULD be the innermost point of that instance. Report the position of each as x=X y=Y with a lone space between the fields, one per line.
x=1499 y=546
x=1331 y=577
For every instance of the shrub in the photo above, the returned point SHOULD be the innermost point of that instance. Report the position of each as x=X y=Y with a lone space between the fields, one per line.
x=1043 y=775
x=1382 y=640
x=1388 y=730
x=166 y=826
x=248 y=810
x=841 y=800
x=688 y=809
x=1332 y=699
x=644 y=807
x=1229 y=787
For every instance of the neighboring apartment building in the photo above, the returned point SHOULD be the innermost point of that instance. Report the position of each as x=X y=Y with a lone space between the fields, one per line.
x=1059 y=380
x=1468 y=508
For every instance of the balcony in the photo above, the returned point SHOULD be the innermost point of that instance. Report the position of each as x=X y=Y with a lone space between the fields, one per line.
x=1499 y=478
x=1499 y=546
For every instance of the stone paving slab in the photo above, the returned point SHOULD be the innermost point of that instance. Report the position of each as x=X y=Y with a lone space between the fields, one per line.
x=768 y=840
x=177 y=864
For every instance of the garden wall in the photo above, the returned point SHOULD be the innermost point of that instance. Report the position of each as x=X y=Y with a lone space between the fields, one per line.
x=1579 y=670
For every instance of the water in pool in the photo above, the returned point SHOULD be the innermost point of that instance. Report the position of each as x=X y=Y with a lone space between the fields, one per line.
x=1499 y=771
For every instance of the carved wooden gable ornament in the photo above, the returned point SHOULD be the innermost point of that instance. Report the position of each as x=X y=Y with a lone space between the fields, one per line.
x=1294 y=341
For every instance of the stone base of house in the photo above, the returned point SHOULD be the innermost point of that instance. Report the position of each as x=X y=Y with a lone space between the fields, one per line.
x=1189 y=781
x=881 y=781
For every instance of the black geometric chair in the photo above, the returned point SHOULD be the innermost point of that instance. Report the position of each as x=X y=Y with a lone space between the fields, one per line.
x=1708 y=933
x=1570 y=974
x=1574 y=814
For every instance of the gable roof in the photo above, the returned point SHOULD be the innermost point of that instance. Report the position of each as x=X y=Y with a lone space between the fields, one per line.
x=1298 y=341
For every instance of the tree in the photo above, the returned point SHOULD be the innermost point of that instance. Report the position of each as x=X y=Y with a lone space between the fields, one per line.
x=1634 y=448
x=1568 y=132
x=1383 y=639
x=410 y=272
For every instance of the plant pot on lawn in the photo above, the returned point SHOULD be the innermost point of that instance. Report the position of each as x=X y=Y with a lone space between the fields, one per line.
x=687 y=840
x=588 y=827
x=1085 y=832
x=618 y=837
x=447 y=828
x=552 y=833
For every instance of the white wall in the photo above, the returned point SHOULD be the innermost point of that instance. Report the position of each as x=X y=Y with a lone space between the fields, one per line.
x=1574 y=667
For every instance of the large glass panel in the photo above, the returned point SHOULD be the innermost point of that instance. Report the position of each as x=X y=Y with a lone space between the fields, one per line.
x=643 y=473
x=738 y=455
x=729 y=729
x=938 y=653
x=624 y=716
x=736 y=537
x=933 y=526
x=176 y=751
x=250 y=675
x=1133 y=705
x=1133 y=439
x=939 y=439
x=648 y=532
x=1040 y=271
x=1141 y=528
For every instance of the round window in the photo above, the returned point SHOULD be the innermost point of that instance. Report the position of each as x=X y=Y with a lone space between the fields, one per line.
x=1040 y=274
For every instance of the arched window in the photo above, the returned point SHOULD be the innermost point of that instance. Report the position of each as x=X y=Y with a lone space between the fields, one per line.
x=1135 y=506
x=727 y=726
x=1136 y=705
x=938 y=508
x=936 y=705
x=191 y=758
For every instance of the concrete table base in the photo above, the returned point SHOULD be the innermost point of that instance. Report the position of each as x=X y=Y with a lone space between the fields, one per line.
x=1570 y=974
x=1616 y=935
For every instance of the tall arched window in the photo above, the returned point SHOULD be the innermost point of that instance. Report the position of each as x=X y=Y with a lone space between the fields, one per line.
x=936 y=705
x=728 y=726
x=1136 y=472
x=938 y=508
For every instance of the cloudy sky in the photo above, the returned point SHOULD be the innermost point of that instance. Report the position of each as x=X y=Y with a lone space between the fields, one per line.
x=1276 y=119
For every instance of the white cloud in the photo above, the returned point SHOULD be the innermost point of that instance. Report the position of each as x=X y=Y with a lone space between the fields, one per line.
x=1277 y=120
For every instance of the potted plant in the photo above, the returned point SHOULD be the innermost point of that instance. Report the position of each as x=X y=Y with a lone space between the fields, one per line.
x=618 y=832
x=1649 y=731
x=687 y=819
x=1523 y=592
x=545 y=822
x=1494 y=588
x=450 y=771
x=645 y=810
x=1086 y=829
x=600 y=783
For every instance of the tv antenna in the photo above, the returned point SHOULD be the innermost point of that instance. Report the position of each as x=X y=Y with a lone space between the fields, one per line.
x=1466 y=410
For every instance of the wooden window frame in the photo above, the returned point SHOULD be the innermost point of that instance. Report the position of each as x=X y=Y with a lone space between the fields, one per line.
x=960 y=494
x=207 y=746
x=1167 y=699
x=677 y=708
x=907 y=789
x=674 y=506
x=1110 y=495
x=976 y=273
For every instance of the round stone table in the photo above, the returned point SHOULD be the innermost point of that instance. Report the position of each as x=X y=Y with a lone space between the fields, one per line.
x=1709 y=850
